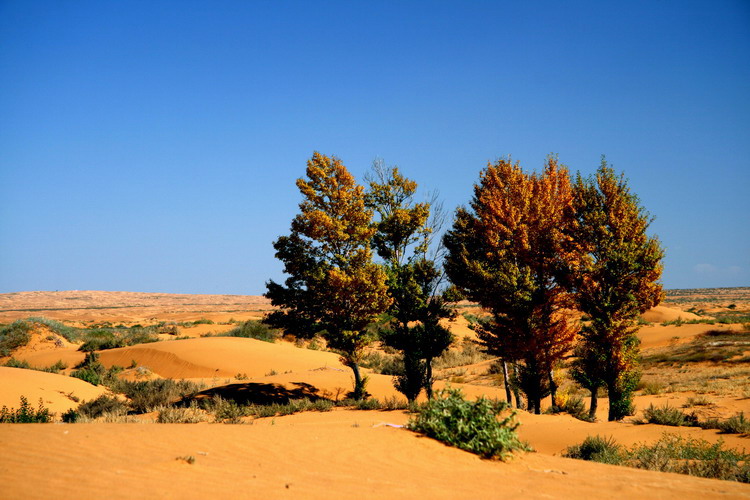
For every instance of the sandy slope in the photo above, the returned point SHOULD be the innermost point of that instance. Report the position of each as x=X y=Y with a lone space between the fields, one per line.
x=331 y=455
x=56 y=391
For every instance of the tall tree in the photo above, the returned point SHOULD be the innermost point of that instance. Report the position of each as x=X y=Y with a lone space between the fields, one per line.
x=615 y=281
x=333 y=287
x=404 y=231
x=506 y=254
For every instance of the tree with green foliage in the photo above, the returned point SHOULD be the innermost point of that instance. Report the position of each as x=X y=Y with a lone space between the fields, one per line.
x=614 y=281
x=333 y=287
x=506 y=253
x=404 y=230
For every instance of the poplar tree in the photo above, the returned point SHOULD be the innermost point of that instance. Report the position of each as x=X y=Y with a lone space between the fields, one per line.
x=333 y=287
x=615 y=280
x=505 y=252
x=404 y=232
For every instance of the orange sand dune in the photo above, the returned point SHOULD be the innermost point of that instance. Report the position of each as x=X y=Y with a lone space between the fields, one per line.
x=57 y=391
x=315 y=455
x=661 y=336
x=660 y=314
x=219 y=357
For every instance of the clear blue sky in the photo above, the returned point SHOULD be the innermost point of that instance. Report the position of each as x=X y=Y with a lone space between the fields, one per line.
x=153 y=146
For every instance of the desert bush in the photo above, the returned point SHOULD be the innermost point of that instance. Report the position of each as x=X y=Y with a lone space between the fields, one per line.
x=736 y=424
x=15 y=363
x=13 y=336
x=667 y=415
x=148 y=395
x=101 y=405
x=203 y=321
x=93 y=372
x=469 y=425
x=225 y=410
x=694 y=457
x=651 y=388
x=597 y=449
x=671 y=453
x=181 y=415
x=68 y=332
x=697 y=401
x=293 y=406
x=25 y=414
x=254 y=330
x=574 y=406
x=386 y=364
x=97 y=340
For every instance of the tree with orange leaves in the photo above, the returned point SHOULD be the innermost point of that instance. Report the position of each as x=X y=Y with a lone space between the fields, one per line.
x=506 y=253
x=333 y=287
x=615 y=280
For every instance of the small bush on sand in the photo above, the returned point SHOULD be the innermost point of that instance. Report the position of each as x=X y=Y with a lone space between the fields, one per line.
x=101 y=405
x=666 y=415
x=597 y=449
x=737 y=424
x=470 y=425
x=176 y=415
x=254 y=330
x=25 y=414
x=13 y=336
x=671 y=453
x=148 y=395
x=225 y=410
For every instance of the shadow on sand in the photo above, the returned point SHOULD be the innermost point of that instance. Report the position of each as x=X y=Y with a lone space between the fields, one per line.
x=260 y=394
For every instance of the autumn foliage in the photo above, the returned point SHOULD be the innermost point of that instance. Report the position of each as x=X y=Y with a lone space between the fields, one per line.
x=333 y=287
x=506 y=253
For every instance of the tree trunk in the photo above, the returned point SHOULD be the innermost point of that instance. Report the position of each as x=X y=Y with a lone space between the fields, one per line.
x=594 y=403
x=516 y=390
x=507 y=384
x=428 y=378
x=359 y=382
x=553 y=388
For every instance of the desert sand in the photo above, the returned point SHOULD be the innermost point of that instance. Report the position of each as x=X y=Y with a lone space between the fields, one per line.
x=308 y=455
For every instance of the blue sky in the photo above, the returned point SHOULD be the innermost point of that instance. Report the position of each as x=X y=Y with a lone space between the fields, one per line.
x=153 y=146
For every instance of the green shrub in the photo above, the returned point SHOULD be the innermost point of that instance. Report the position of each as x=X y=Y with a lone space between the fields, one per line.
x=148 y=395
x=254 y=330
x=14 y=363
x=227 y=411
x=91 y=370
x=737 y=424
x=385 y=364
x=101 y=405
x=470 y=425
x=25 y=414
x=667 y=415
x=13 y=336
x=181 y=415
x=597 y=449
x=671 y=453
x=573 y=406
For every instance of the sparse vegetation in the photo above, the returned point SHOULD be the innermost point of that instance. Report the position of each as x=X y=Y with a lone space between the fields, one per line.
x=671 y=453
x=667 y=415
x=254 y=330
x=13 y=336
x=25 y=414
x=470 y=425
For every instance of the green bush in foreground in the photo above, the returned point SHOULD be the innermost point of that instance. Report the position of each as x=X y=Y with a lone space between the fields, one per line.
x=672 y=453
x=470 y=425
x=254 y=330
x=25 y=414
